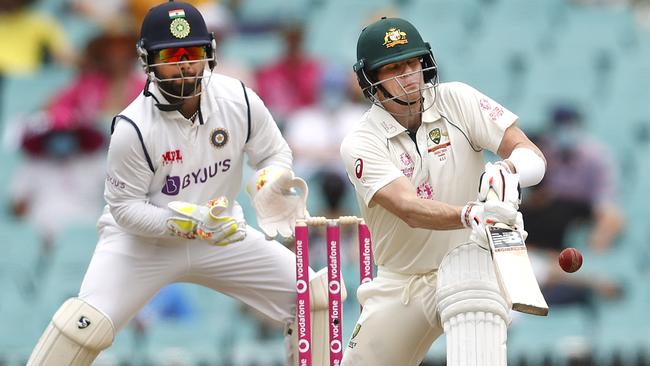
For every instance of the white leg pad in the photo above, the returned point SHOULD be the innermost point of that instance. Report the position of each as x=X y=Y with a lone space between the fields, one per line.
x=472 y=309
x=74 y=337
x=319 y=302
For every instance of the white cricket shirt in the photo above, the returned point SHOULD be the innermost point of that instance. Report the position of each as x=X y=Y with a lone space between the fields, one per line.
x=445 y=166
x=185 y=161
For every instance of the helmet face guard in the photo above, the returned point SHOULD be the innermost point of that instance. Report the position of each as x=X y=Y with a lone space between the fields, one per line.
x=191 y=85
x=371 y=88
x=176 y=25
x=387 y=41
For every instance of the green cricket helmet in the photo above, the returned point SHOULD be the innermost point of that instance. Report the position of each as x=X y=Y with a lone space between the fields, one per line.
x=386 y=41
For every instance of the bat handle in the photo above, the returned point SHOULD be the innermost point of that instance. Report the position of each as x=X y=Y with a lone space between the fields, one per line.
x=493 y=196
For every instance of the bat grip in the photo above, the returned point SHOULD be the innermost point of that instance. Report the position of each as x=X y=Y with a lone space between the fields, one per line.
x=493 y=196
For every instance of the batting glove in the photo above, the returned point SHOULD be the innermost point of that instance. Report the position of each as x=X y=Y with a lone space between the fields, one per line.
x=205 y=222
x=478 y=215
x=279 y=199
x=504 y=183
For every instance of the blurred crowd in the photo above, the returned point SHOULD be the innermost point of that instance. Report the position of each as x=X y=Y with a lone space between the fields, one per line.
x=315 y=102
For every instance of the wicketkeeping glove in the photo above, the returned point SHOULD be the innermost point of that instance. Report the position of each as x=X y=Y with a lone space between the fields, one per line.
x=504 y=183
x=279 y=199
x=205 y=222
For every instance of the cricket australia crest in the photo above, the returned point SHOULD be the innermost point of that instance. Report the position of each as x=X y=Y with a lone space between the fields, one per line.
x=393 y=37
x=435 y=135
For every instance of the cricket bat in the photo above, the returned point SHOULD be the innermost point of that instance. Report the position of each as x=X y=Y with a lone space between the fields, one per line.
x=513 y=268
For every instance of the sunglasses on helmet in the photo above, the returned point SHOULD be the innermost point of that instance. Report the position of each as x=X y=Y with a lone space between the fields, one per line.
x=177 y=54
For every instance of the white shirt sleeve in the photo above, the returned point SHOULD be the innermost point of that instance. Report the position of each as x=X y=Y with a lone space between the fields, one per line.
x=266 y=146
x=127 y=183
x=483 y=119
x=368 y=164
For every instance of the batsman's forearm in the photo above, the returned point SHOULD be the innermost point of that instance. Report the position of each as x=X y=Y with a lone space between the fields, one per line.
x=432 y=215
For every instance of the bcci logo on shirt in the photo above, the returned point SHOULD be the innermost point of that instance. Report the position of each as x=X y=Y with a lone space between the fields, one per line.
x=219 y=137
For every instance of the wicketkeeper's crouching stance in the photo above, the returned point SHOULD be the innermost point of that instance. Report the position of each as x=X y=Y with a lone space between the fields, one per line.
x=174 y=169
x=79 y=331
x=416 y=160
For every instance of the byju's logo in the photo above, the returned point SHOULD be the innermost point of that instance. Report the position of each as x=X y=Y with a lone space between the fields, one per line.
x=174 y=183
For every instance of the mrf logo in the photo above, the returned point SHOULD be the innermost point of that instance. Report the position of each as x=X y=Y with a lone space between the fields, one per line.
x=172 y=156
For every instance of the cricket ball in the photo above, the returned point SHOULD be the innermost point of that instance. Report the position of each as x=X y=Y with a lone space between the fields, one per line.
x=570 y=260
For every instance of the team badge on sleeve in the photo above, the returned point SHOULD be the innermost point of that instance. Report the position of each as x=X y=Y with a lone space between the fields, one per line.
x=219 y=137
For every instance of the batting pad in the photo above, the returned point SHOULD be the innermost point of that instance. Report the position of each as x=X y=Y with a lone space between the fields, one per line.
x=472 y=310
x=74 y=337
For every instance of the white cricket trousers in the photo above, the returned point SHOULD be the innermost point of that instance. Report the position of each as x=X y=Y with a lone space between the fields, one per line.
x=404 y=314
x=126 y=271
x=398 y=324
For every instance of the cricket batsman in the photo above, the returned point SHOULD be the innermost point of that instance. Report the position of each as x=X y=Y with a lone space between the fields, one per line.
x=416 y=162
x=174 y=169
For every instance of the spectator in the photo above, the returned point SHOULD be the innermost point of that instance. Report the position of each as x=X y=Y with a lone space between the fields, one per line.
x=139 y=8
x=60 y=181
x=29 y=39
x=291 y=82
x=641 y=10
x=102 y=13
x=315 y=132
x=108 y=80
x=579 y=187
x=221 y=23
x=580 y=184
x=65 y=142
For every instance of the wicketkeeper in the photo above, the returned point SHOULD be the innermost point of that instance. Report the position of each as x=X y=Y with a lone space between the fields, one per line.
x=174 y=169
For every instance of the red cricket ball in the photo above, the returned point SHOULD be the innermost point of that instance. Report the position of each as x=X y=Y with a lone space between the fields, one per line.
x=570 y=260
